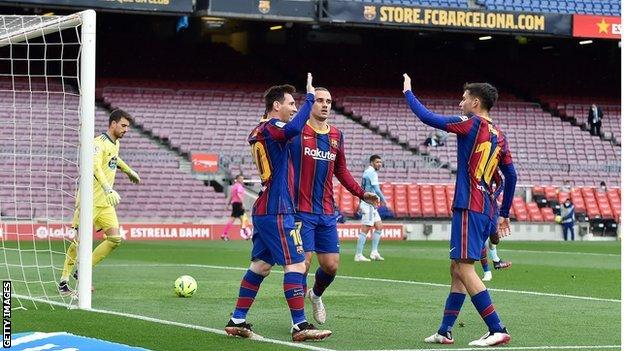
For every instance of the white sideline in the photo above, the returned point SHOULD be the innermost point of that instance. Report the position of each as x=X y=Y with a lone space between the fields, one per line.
x=309 y=347
x=589 y=298
x=177 y=324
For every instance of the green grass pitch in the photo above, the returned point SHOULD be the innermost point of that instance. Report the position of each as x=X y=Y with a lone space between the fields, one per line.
x=556 y=294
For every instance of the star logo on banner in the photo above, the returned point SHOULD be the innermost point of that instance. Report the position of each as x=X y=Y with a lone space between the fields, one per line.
x=603 y=26
x=122 y=233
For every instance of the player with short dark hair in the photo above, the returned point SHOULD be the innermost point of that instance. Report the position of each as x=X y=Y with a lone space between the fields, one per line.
x=316 y=156
x=481 y=148
x=370 y=215
x=106 y=161
x=276 y=239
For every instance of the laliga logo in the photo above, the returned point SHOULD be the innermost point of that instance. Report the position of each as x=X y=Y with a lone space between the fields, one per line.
x=319 y=155
x=63 y=232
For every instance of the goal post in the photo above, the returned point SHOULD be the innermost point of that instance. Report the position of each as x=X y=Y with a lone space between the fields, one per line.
x=87 y=131
x=47 y=111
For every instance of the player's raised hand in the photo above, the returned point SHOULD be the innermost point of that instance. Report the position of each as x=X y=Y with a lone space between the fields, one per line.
x=503 y=227
x=407 y=82
x=371 y=198
x=134 y=177
x=309 y=87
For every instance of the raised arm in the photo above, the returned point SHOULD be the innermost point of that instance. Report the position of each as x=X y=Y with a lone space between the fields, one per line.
x=453 y=124
x=295 y=126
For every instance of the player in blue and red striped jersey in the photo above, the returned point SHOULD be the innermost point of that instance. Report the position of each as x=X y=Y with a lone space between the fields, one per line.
x=317 y=155
x=481 y=148
x=276 y=239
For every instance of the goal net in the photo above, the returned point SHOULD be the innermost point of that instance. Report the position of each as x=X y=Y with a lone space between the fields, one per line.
x=47 y=96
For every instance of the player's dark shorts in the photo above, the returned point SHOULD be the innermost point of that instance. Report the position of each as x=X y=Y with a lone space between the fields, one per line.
x=276 y=240
x=319 y=232
x=237 y=209
x=469 y=231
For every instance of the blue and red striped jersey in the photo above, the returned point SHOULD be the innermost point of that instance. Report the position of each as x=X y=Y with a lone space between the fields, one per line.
x=315 y=157
x=481 y=148
x=269 y=147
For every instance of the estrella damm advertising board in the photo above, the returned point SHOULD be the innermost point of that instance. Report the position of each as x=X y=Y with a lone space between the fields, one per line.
x=409 y=16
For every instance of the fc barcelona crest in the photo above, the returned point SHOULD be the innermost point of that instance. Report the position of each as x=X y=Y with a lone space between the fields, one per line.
x=264 y=6
x=333 y=142
x=370 y=12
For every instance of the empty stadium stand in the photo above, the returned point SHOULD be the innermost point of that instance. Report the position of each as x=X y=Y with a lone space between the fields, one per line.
x=38 y=160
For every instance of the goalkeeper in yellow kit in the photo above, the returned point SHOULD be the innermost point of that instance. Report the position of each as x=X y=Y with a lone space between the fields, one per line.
x=106 y=160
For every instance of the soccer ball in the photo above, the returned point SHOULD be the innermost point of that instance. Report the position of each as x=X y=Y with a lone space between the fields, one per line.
x=557 y=219
x=185 y=286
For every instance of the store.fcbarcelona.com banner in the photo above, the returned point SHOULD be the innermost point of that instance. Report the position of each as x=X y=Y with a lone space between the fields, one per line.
x=163 y=231
x=408 y=16
x=160 y=6
x=599 y=27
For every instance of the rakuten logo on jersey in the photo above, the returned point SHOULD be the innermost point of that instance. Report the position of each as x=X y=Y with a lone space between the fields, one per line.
x=319 y=154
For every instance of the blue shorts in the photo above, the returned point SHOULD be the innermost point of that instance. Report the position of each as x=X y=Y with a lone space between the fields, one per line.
x=276 y=240
x=319 y=232
x=469 y=231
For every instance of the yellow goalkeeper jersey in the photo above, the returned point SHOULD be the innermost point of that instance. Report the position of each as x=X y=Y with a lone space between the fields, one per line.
x=105 y=162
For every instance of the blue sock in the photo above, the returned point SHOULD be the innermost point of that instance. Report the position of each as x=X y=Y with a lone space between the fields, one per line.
x=376 y=238
x=360 y=244
x=293 y=291
x=321 y=281
x=483 y=304
x=453 y=305
x=246 y=295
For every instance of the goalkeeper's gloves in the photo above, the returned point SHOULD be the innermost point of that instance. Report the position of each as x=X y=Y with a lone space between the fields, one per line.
x=134 y=177
x=112 y=197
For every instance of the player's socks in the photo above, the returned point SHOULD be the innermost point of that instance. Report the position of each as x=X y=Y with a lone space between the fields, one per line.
x=493 y=253
x=321 y=281
x=107 y=246
x=295 y=296
x=376 y=238
x=484 y=260
x=360 y=244
x=248 y=289
x=483 y=304
x=453 y=305
x=70 y=261
x=228 y=225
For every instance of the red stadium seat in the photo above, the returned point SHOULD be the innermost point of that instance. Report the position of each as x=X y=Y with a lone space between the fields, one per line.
x=550 y=192
x=593 y=211
x=561 y=197
x=401 y=208
x=535 y=214
x=547 y=214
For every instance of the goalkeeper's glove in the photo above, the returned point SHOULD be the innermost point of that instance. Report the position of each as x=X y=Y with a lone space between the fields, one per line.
x=112 y=197
x=134 y=177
